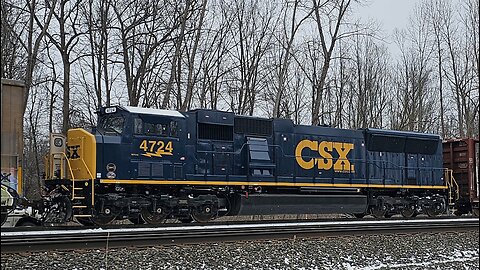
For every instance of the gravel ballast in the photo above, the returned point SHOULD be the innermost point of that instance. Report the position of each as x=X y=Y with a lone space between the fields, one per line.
x=459 y=250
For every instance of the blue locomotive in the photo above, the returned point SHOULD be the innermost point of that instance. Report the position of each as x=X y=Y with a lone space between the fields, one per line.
x=148 y=165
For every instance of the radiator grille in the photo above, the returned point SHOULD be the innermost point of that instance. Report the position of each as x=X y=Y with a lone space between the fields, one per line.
x=250 y=126
x=215 y=132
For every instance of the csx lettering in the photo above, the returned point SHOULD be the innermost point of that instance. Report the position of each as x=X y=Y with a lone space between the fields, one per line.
x=156 y=148
x=326 y=160
x=72 y=152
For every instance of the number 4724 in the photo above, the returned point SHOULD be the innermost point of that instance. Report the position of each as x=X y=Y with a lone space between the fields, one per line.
x=157 y=147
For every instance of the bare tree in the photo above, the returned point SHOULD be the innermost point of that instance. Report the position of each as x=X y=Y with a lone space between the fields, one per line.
x=285 y=40
x=21 y=45
x=413 y=106
x=252 y=31
x=12 y=55
x=143 y=27
x=175 y=70
x=98 y=19
x=435 y=11
x=66 y=15
x=362 y=84
x=471 y=22
x=213 y=54
x=459 y=72
x=329 y=18
x=191 y=59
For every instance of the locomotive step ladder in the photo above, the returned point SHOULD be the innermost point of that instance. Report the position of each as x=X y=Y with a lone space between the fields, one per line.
x=82 y=192
x=453 y=190
x=82 y=197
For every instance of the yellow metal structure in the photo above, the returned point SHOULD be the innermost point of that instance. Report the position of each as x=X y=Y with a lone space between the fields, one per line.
x=81 y=152
x=453 y=189
x=77 y=163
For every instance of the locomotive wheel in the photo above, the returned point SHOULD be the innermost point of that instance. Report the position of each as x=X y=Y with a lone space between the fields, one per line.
x=359 y=215
x=85 y=221
x=435 y=211
x=379 y=211
x=204 y=214
x=156 y=217
x=431 y=212
x=388 y=215
x=409 y=211
x=60 y=210
x=104 y=218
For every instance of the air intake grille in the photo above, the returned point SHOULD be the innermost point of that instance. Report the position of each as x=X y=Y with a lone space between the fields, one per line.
x=250 y=126
x=215 y=132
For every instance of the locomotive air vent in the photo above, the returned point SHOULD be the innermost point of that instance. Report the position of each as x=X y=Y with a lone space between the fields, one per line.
x=215 y=132
x=251 y=126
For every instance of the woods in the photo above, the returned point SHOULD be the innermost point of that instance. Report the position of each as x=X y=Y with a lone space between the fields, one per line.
x=315 y=62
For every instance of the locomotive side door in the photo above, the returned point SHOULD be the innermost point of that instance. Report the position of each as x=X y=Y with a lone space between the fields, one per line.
x=412 y=165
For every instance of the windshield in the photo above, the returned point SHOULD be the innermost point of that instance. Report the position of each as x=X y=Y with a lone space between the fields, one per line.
x=112 y=124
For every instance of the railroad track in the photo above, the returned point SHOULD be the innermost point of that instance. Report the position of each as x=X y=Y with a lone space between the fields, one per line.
x=27 y=241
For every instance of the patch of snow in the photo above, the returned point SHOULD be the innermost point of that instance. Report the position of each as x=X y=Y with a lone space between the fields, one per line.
x=456 y=256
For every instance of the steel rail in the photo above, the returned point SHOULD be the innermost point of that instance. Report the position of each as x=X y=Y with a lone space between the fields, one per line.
x=28 y=241
x=175 y=223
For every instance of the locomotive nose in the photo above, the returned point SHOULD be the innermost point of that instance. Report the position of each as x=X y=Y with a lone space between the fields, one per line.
x=82 y=152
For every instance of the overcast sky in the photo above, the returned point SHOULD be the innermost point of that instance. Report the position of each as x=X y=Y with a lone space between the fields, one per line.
x=390 y=13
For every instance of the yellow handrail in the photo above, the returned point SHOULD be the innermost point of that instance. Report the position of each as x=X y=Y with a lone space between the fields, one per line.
x=452 y=186
x=61 y=159
x=62 y=173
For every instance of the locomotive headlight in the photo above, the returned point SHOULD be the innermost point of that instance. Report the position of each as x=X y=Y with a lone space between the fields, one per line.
x=111 y=175
x=110 y=110
x=111 y=167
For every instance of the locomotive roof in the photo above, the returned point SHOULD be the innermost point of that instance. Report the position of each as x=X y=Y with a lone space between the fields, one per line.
x=402 y=133
x=151 y=111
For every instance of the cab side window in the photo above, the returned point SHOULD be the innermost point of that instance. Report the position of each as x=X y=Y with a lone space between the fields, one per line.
x=137 y=126
x=150 y=127
x=155 y=129
x=173 y=128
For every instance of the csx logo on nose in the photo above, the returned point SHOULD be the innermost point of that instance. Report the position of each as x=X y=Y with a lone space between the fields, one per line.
x=72 y=152
x=326 y=159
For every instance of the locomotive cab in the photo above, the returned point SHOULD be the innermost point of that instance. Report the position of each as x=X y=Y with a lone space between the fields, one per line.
x=117 y=171
x=134 y=143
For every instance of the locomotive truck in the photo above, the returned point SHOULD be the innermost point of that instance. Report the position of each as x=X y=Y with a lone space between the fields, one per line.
x=147 y=165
